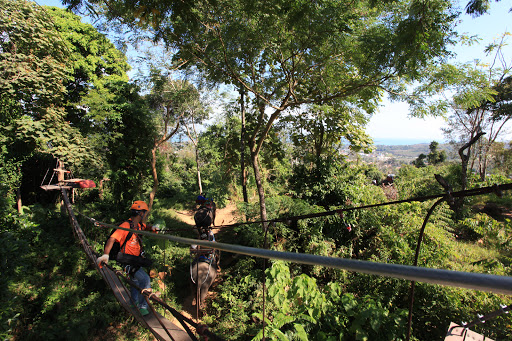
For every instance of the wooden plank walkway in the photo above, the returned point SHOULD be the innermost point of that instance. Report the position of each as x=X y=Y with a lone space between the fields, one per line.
x=458 y=333
x=150 y=321
x=169 y=331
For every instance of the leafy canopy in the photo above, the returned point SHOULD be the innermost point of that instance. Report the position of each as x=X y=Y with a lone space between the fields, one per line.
x=289 y=53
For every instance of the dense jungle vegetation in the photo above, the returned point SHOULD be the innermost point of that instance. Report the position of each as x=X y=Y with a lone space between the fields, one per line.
x=270 y=144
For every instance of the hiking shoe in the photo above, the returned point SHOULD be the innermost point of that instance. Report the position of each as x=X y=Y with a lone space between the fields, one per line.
x=144 y=311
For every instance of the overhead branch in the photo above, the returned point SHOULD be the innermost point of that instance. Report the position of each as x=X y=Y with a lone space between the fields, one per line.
x=469 y=144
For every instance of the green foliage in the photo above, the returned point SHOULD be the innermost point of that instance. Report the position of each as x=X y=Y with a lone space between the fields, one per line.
x=481 y=227
x=420 y=161
x=9 y=181
x=300 y=309
x=95 y=61
x=414 y=182
x=470 y=83
x=329 y=182
x=219 y=145
x=33 y=64
x=237 y=299
x=128 y=144
x=43 y=265
x=502 y=158
x=435 y=156
x=317 y=131
x=490 y=180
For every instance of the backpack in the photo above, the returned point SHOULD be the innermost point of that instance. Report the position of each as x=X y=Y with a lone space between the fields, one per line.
x=123 y=258
x=117 y=246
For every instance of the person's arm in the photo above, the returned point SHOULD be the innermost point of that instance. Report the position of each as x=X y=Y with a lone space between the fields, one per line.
x=106 y=251
x=152 y=228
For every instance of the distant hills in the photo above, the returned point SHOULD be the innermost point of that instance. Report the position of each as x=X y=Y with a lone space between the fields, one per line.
x=402 y=153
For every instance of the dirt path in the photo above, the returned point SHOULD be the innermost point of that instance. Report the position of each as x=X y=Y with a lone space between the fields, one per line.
x=223 y=216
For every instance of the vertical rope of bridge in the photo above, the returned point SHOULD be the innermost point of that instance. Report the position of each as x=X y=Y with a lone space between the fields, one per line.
x=156 y=314
x=265 y=246
x=418 y=246
x=163 y=279
x=198 y=290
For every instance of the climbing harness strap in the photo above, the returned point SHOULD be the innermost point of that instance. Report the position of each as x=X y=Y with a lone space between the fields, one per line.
x=204 y=260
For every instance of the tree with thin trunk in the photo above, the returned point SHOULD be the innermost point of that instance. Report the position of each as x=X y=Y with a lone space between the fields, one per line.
x=291 y=53
x=477 y=96
x=243 y=172
x=172 y=102
x=318 y=130
x=196 y=113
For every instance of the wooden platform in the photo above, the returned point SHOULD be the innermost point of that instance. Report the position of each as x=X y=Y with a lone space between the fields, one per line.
x=150 y=321
x=54 y=187
x=458 y=333
x=67 y=184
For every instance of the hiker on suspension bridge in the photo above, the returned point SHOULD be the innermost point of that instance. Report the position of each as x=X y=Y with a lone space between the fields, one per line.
x=131 y=252
x=205 y=216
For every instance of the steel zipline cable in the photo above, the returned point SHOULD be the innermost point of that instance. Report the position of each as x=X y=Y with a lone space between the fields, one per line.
x=484 y=282
x=498 y=189
x=201 y=329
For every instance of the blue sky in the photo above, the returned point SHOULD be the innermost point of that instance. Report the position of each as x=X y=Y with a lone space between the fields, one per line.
x=391 y=123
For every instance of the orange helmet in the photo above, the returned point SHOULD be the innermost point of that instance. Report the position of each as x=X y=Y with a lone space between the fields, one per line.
x=139 y=205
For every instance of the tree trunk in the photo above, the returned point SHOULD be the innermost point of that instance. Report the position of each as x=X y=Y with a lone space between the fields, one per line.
x=155 y=177
x=154 y=172
x=60 y=179
x=459 y=202
x=196 y=151
x=261 y=191
x=101 y=189
x=242 y=148
x=485 y=159
x=319 y=143
x=18 y=201
x=198 y=171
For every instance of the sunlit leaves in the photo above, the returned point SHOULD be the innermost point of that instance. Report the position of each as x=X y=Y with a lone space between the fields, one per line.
x=304 y=310
x=33 y=64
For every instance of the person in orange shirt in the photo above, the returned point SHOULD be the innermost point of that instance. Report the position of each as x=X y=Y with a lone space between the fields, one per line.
x=132 y=250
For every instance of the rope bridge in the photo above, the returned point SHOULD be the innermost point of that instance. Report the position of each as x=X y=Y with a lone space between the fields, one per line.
x=161 y=328
x=474 y=281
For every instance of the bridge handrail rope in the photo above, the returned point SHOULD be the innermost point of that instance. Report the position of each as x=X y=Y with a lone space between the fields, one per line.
x=484 y=282
x=482 y=318
x=476 y=281
x=498 y=189
x=151 y=296
x=147 y=295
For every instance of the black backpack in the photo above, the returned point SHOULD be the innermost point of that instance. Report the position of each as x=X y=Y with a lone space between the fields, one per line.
x=123 y=258
x=117 y=246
